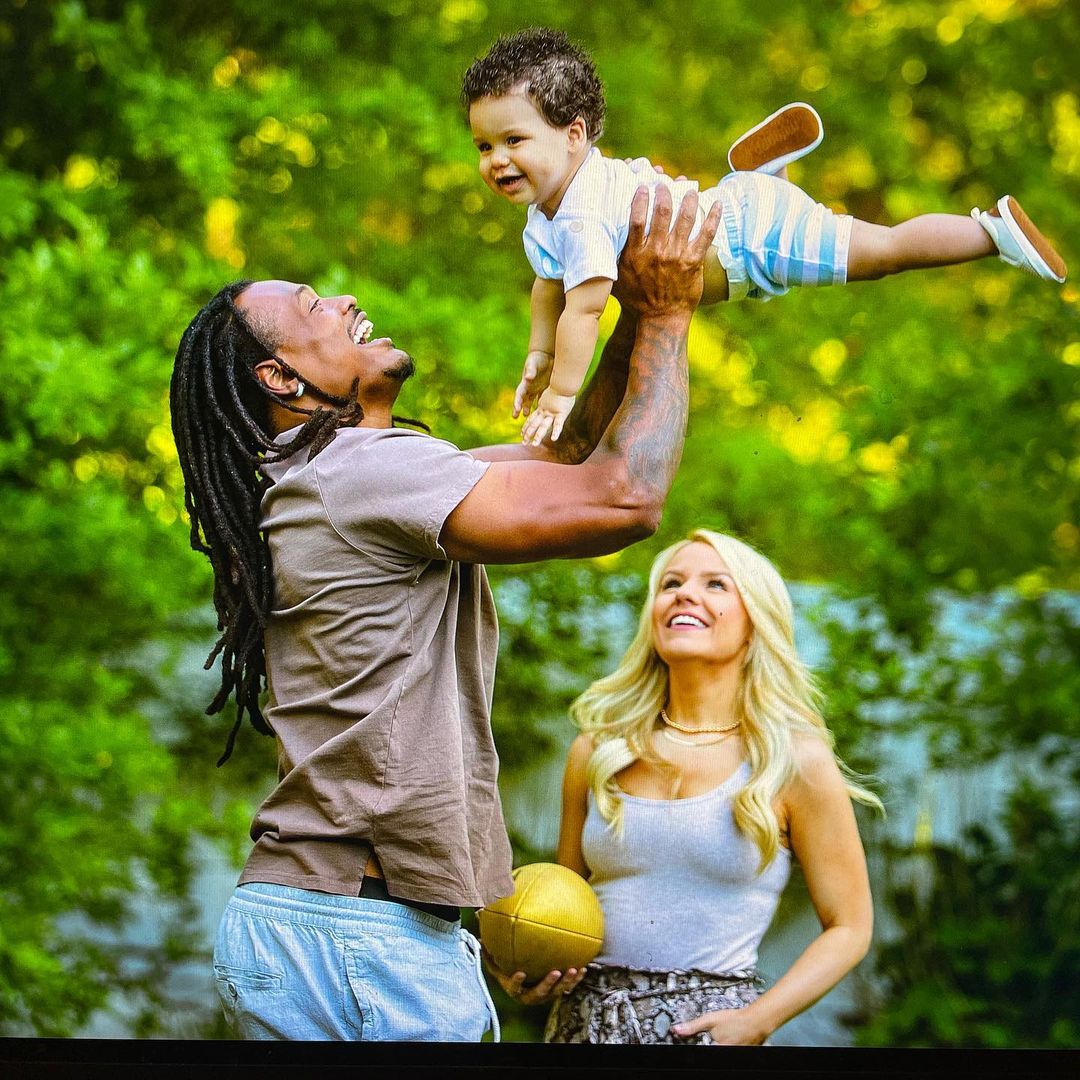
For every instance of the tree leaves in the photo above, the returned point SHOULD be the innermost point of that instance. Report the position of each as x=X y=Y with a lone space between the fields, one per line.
x=912 y=442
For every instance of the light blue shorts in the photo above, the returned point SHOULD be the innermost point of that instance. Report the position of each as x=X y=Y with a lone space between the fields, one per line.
x=295 y=964
x=775 y=236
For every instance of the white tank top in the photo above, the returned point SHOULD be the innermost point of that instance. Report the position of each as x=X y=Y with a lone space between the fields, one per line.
x=680 y=891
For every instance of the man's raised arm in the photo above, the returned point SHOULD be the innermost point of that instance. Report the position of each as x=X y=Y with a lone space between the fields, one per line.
x=522 y=510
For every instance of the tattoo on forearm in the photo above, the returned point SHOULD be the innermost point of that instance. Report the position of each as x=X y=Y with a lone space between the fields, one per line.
x=650 y=427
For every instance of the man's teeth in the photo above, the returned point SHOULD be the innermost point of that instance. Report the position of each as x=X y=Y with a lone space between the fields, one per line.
x=686 y=620
x=362 y=331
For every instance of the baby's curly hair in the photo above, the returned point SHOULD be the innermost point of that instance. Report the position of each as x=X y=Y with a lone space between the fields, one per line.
x=559 y=76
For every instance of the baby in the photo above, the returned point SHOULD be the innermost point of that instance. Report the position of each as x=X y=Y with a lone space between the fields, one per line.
x=536 y=109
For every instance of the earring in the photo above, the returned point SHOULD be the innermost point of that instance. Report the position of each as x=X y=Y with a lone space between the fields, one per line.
x=299 y=389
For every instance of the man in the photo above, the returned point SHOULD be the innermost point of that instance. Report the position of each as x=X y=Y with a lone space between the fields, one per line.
x=368 y=611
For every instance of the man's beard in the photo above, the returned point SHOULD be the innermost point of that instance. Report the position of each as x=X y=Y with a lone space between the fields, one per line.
x=404 y=369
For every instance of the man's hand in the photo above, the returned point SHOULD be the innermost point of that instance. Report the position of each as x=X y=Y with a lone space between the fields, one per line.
x=534 y=379
x=661 y=273
x=551 y=412
x=553 y=984
x=538 y=508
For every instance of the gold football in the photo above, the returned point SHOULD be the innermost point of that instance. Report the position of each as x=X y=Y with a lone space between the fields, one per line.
x=551 y=922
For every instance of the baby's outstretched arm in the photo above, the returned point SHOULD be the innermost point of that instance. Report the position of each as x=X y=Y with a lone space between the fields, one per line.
x=575 y=341
x=544 y=310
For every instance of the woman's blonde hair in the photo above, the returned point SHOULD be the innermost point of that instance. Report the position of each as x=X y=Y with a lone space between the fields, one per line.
x=778 y=700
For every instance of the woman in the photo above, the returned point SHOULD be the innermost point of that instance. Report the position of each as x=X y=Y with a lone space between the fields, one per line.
x=704 y=766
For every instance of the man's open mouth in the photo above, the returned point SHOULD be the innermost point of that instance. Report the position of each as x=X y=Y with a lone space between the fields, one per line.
x=360 y=331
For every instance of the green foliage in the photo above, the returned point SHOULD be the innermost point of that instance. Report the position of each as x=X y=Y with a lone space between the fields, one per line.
x=560 y=627
x=905 y=440
x=990 y=950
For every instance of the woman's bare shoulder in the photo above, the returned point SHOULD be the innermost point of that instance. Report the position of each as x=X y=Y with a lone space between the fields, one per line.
x=582 y=743
x=815 y=765
x=580 y=751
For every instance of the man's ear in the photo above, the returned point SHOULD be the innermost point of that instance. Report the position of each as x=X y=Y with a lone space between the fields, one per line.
x=270 y=374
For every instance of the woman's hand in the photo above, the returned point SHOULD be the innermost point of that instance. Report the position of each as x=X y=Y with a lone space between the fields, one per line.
x=727 y=1027
x=553 y=984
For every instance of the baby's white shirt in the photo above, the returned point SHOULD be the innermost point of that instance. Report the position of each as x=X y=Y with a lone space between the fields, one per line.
x=588 y=232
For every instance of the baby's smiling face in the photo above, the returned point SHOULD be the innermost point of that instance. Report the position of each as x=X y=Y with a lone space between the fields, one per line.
x=523 y=157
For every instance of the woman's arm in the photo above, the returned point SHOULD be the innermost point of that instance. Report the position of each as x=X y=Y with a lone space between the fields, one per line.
x=575 y=806
x=825 y=839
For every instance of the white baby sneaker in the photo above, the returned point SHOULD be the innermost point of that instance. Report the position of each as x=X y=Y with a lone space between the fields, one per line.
x=787 y=135
x=1019 y=242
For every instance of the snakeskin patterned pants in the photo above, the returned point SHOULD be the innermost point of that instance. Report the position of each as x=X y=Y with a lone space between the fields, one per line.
x=623 y=1005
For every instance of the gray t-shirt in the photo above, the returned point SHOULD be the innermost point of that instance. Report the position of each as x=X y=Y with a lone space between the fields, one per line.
x=380 y=657
x=680 y=891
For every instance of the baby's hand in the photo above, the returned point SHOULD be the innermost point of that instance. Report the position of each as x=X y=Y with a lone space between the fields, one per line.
x=550 y=414
x=534 y=380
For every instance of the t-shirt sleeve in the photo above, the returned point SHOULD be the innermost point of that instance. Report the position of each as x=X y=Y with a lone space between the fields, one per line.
x=543 y=262
x=390 y=494
x=590 y=250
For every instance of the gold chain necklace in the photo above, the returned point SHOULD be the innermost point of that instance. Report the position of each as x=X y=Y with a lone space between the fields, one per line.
x=698 y=731
x=694 y=742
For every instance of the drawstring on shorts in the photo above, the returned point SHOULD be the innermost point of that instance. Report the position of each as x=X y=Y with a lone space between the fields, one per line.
x=472 y=946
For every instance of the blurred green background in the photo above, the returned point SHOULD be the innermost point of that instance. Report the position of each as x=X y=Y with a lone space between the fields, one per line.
x=906 y=451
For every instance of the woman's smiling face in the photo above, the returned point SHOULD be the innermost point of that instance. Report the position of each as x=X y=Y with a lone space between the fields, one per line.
x=698 y=614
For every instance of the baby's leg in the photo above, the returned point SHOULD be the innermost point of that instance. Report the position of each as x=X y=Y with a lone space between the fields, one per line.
x=782 y=238
x=716 y=282
x=875 y=251
x=778 y=237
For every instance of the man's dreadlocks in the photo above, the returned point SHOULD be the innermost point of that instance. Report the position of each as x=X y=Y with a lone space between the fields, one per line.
x=220 y=420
